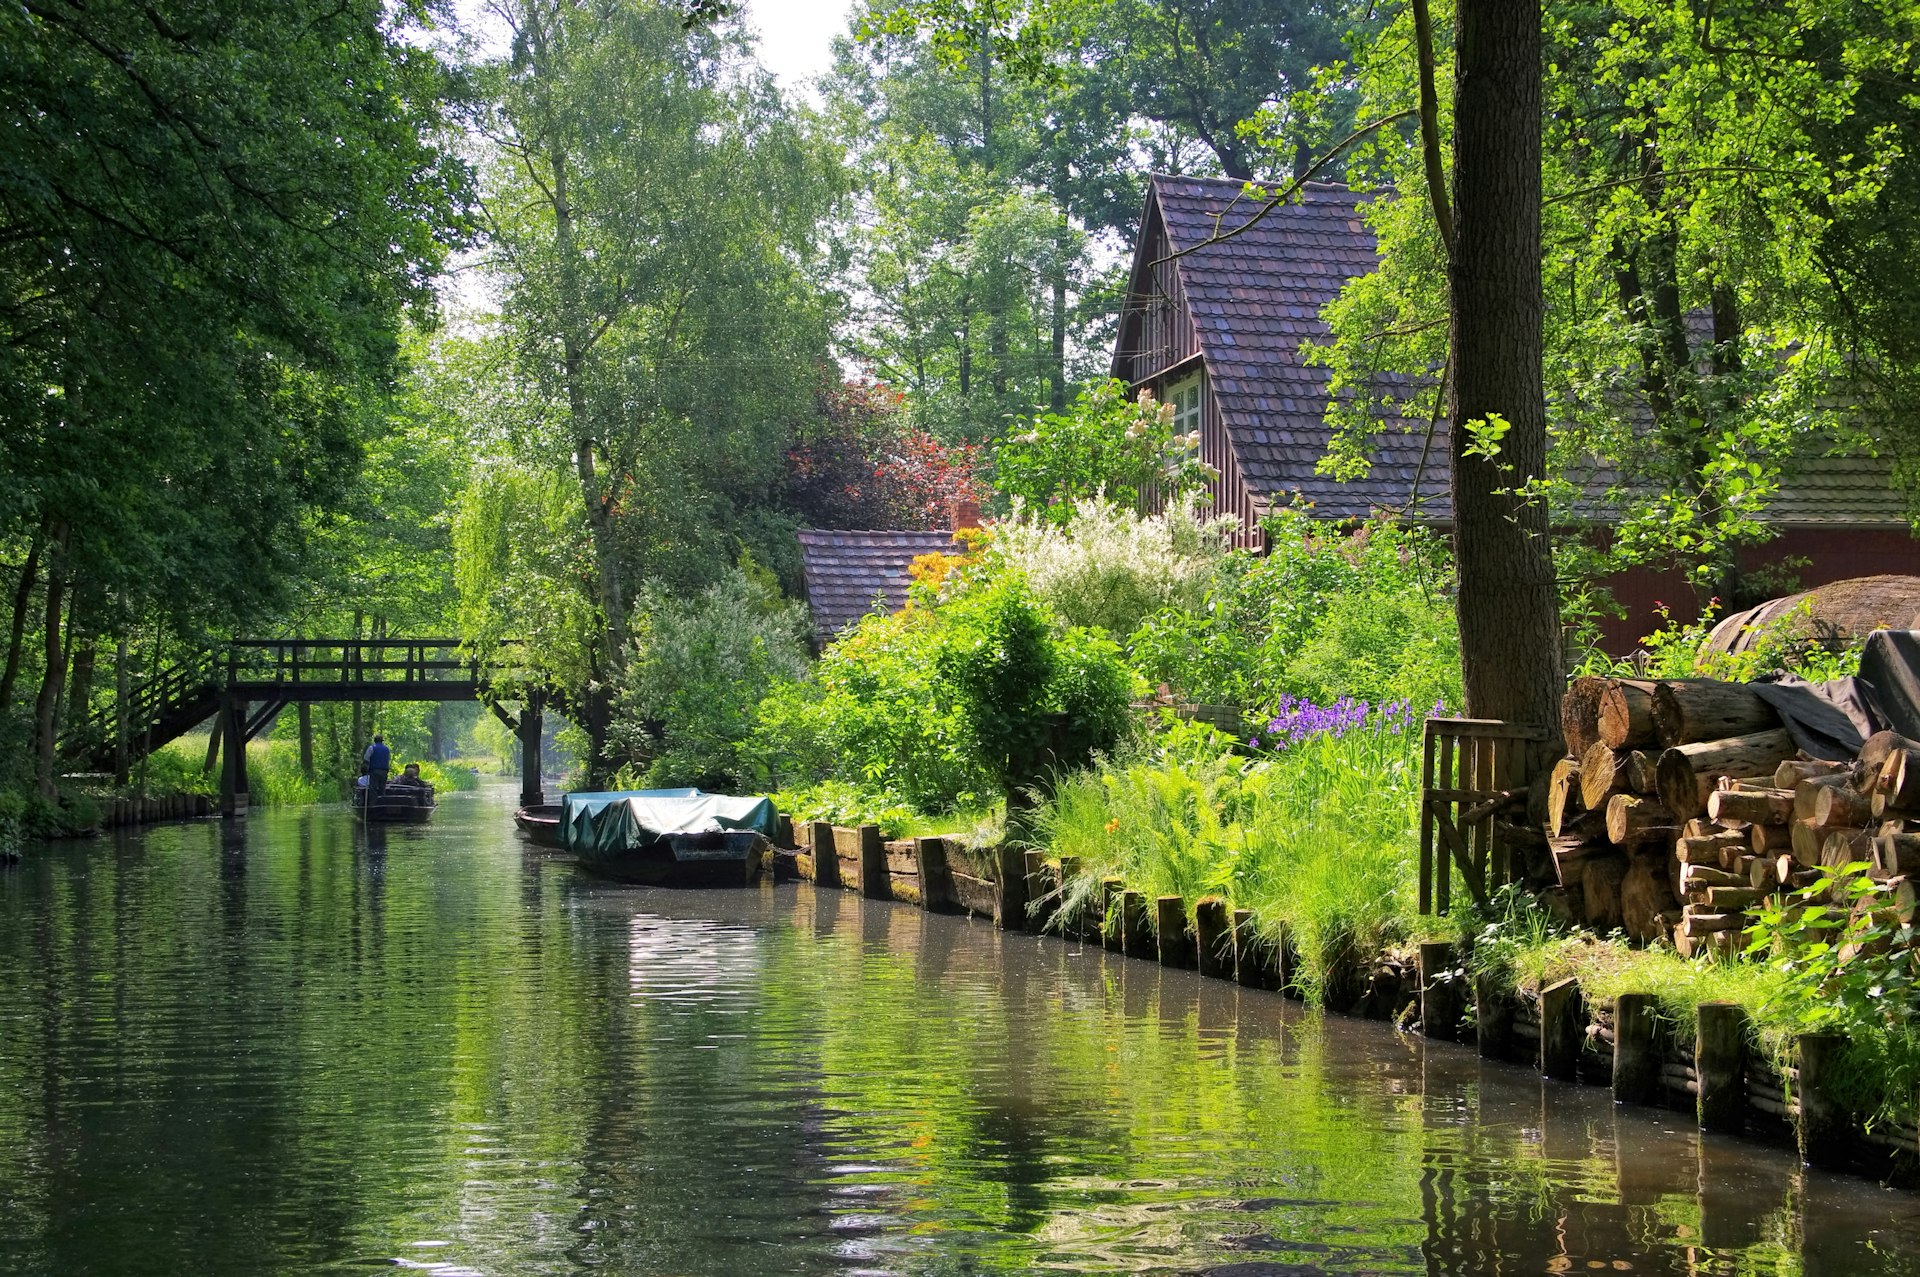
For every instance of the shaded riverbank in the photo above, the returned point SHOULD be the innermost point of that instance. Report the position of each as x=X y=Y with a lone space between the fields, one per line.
x=279 y=1047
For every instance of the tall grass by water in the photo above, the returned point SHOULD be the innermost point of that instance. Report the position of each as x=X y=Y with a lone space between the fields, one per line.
x=1315 y=829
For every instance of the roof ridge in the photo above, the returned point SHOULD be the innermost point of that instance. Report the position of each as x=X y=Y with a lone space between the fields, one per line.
x=1236 y=184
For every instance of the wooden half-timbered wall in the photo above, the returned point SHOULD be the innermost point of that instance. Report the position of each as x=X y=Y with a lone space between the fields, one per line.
x=1159 y=347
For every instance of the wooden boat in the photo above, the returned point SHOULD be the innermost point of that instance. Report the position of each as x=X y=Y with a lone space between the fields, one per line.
x=411 y=804
x=713 y=858
x=541 y=824
x=668 y=837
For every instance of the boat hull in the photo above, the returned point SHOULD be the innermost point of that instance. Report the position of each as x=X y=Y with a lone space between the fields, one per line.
x=540 y=824
x=392 y=808
x=733 y=859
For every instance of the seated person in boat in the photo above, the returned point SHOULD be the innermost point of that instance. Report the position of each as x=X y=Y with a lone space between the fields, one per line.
x=410 y=782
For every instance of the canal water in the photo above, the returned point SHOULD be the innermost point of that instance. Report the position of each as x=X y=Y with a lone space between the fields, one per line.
x=285 y=1046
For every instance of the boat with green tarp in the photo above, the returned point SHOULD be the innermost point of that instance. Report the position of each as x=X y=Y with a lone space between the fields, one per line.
x=668 y=837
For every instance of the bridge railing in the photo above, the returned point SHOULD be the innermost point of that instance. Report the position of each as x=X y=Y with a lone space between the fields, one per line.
x=296 y=662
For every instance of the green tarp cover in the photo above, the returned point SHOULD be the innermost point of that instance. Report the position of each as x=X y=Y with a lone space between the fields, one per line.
x=595 y=826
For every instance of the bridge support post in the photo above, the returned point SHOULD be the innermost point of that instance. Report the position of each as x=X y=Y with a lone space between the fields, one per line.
x=232 y=727
x=531 y=716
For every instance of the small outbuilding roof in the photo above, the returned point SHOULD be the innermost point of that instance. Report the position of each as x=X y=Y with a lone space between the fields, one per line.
x=848 y=574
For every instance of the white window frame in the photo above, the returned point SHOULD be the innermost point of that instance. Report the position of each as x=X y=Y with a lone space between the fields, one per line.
x=1186 y=397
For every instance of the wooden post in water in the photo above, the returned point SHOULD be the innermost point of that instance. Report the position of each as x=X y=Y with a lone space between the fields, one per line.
x=1076 y=926
x=532 y=725
x=1563 y=1029
x=1636 y=1049
x=936 y=875
x=1112 y=921
x=1042 y=901
x=873 y=864
x=1720 y=1062
x=1136 y=933
x=1248 y=961
x=1011 y=870
x=1493 y=1014
x=1170 y=919
x=1822 y=1130
x=305 y=711
x=1213 y=941
x=826 y=858
x=232 y=728
x=1439 y=995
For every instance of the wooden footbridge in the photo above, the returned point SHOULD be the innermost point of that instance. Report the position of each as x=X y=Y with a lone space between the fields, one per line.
x=244 y=684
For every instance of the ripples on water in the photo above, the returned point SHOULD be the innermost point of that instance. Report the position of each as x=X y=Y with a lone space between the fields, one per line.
x=276 y=1048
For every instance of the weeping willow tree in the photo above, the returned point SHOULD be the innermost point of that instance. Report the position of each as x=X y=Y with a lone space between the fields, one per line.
x=653 y=207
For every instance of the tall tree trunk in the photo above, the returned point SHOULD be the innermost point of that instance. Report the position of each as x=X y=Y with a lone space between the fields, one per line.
x=120 y=689
x=1057 y=355
x=576 y=344
x=78 y=701
x=22 y=599
x=1508 y=605
x=53 y=677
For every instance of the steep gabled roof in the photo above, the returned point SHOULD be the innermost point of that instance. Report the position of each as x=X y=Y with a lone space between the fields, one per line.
x=847 y=573
x=1255 y=299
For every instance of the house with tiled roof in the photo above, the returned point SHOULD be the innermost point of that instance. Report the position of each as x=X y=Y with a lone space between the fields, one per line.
x=1219 y=332
x=851 y=573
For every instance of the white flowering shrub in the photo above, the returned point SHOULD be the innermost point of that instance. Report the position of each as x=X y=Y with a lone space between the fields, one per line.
x=1108 y=567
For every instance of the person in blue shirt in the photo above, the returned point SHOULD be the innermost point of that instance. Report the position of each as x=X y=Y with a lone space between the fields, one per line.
x=377 y=760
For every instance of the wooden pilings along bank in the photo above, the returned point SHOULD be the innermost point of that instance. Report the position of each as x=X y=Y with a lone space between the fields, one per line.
x=1719 y=1074
x=117 y=813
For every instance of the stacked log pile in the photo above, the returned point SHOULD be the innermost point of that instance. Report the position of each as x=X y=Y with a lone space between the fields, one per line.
x=1683 y=804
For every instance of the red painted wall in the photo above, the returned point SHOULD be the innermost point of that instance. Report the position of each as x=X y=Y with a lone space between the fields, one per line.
x=1833 y=554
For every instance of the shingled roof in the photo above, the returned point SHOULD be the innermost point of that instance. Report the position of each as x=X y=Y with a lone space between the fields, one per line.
x=1256 y=300
x=849 y=573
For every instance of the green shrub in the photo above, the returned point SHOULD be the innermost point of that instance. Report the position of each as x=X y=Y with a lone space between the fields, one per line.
x=1788 y=644
x=686 y=704
x=1105 y=444
x=877 y=717
x=1368 y=614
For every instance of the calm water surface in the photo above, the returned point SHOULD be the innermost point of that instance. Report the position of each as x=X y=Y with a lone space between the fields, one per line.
x=280 y=1047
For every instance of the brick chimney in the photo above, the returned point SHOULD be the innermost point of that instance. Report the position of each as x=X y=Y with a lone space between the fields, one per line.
x=966 y=514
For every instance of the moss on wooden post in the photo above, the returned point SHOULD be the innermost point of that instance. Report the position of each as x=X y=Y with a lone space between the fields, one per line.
x=1563 y=1030
x=1213 y=941
x=1822 y=1131
x=1636 y=1049
x=1720 y=1062
x=1439 y=993
x=1170 y=930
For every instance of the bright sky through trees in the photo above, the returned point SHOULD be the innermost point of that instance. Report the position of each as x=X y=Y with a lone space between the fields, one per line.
x=796 y=36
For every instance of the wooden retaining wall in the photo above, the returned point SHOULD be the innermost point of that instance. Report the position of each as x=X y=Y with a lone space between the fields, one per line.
x=1719 y=1074
x=116 y=813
